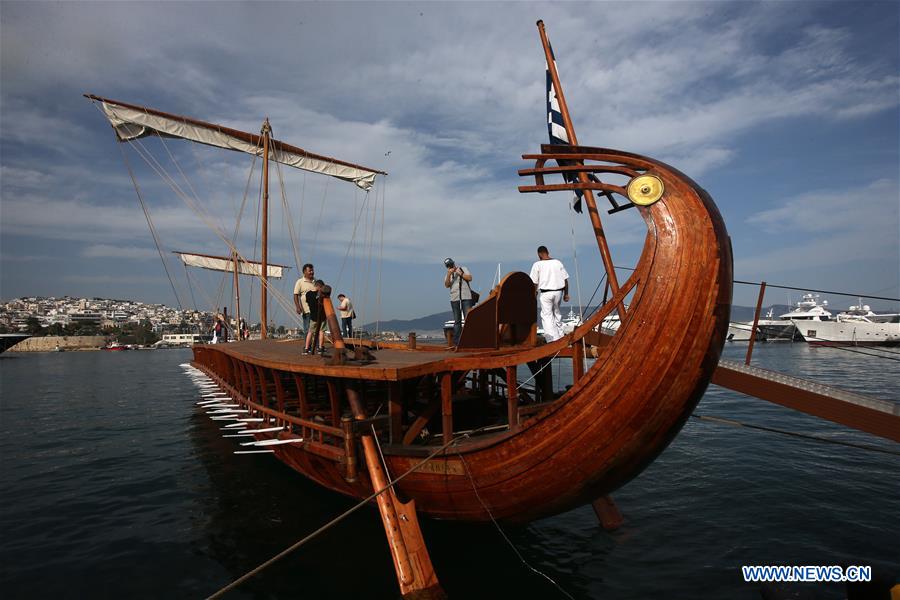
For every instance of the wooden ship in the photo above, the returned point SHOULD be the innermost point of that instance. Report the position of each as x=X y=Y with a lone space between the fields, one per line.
x=478 y=431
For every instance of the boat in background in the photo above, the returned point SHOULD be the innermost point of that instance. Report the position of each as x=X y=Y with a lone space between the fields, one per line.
x=740 y=332
x=115 y=346
x=784 y=328
x=857 y=326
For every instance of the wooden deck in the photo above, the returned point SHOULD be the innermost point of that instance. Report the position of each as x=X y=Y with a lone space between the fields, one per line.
x=389 y=365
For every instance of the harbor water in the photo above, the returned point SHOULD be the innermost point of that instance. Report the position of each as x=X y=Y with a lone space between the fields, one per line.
x=114 y=484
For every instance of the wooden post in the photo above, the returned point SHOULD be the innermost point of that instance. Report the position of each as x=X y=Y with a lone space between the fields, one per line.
x=412 y=563
x=577 y=361
x=759 y=301
x=608 y=513
x=447 y=405
x=395 y=411
x=512 y=399
x=411 y=342
x=582 y=177
x=349 y=448
x=263 y=386
x=335 y=402
x=264 y=259
x=237 y=294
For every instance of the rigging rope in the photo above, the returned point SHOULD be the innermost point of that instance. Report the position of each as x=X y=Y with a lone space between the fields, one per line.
x=153 y=231
x=190 y=287
x=807 y=436
x=338 y=519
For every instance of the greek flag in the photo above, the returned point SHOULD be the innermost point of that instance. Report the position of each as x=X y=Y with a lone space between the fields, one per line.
x=556 y=127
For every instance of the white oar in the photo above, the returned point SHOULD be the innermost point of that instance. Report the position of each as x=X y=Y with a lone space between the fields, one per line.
x=252 y=420
x=236 y=425
x=266 y=430
x=239 y=435
x=274 y=442
x=254 y=452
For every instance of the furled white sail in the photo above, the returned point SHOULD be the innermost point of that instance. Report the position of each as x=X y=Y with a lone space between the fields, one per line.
x=132 y=122
x=224 y=263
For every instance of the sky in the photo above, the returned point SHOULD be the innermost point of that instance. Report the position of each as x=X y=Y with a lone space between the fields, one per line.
x=787 y=113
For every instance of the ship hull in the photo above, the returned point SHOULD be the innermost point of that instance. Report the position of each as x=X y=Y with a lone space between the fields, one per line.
x=617 y=417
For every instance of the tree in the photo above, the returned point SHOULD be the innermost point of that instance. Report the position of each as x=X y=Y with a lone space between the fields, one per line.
x=280 y=330
x=32 y=325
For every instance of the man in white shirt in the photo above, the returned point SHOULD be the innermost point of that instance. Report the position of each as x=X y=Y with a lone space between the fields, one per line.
x=552 y=282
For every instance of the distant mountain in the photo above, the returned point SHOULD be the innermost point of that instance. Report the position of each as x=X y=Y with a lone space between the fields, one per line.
x=433 y=322
x=745 y=313
x=436 y=321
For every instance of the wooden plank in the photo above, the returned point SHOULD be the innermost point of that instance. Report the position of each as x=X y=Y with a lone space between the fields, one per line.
x=395 y=411
x=335 y=400
x=447 y=405
x=878 y=417
x=512 y=399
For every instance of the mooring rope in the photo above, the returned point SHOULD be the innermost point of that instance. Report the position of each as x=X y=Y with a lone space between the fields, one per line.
x=503 y=533
x=807 y=436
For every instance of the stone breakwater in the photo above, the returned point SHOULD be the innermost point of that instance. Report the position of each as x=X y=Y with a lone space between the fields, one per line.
x=63 y=342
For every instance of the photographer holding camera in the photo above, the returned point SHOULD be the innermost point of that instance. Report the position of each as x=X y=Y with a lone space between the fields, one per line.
x=458 y=280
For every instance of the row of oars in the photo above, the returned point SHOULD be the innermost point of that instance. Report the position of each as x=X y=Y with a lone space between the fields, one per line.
x=219 y=406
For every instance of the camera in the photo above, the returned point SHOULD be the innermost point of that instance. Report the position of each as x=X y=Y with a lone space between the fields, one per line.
x=448 y=262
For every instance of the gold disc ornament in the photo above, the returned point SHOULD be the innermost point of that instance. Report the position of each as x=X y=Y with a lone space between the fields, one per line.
x=644 y=190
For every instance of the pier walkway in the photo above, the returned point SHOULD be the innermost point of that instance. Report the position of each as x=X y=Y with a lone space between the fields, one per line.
x=872 y=415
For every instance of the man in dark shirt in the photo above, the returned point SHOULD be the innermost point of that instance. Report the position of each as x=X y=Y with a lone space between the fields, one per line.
x=315 y=329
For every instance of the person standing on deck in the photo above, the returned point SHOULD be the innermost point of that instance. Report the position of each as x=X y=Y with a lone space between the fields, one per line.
x=347 y=314
x=305 y=284
x=552 y=282
x=316 y=331
x=458 y=280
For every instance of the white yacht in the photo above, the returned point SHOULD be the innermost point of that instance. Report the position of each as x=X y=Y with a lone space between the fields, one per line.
x=740 y=332
x=785 y=326
x=857 y=326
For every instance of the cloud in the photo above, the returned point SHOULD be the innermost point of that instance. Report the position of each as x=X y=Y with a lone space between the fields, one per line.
x=872 y=210
x=455 y=96
x=830 y=229
x=119 y=252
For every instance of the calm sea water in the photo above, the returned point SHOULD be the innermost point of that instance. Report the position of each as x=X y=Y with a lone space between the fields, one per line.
x=114 y=485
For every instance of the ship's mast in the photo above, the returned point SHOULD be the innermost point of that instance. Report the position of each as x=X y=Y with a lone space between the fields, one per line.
x=582 y=176
x=264 y=266
x=237 y=291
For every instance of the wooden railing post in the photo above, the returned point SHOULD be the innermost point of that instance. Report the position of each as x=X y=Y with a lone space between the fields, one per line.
x=577 y=360
x=512 y=399
x=447 y=405
x=759 y=301
x=395 y=412
x=349 y=448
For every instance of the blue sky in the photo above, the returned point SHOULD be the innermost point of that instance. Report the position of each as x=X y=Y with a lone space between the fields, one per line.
x=786 y=112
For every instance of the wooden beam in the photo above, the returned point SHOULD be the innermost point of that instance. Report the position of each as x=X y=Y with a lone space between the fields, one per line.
x=512 y=399
x=447 y=405
x=395 y=411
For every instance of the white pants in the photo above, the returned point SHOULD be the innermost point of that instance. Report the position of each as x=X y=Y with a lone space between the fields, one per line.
x=551 y=319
